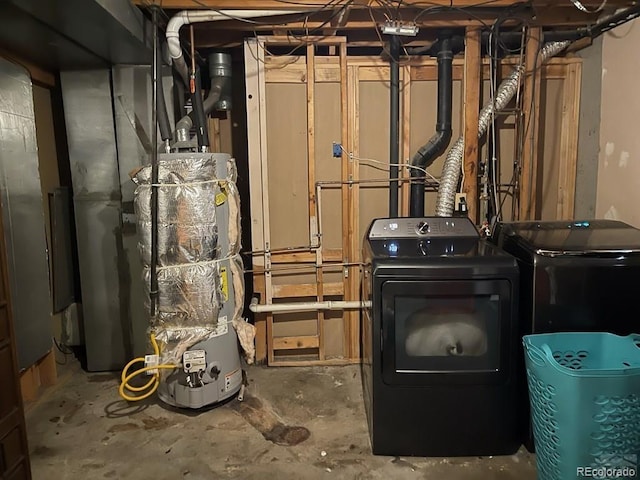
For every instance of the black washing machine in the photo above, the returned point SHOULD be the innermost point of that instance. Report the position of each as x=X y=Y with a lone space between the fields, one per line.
x=439 y=340
x=578 y=275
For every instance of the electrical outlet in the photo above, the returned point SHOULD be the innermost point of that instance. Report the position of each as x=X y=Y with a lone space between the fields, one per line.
x=459 y=197
x=337 y=150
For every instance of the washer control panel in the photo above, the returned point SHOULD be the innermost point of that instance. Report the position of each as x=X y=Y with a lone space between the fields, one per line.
x=427 y=227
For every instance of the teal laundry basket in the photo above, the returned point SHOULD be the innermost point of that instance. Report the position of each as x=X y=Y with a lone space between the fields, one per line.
x=584 y=390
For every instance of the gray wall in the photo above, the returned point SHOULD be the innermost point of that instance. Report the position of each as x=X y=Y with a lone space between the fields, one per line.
x=23 y=217
x=619 y=161
x=589 y=131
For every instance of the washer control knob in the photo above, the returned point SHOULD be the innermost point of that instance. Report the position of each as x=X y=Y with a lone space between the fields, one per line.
x=422 y=228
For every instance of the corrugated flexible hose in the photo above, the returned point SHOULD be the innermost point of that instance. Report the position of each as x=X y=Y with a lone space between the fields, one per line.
x=451 y=171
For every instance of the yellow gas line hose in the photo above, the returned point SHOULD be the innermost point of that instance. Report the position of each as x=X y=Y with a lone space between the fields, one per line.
x=151 y=386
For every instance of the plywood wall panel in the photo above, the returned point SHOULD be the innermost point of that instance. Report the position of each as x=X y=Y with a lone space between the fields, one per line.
x=549 y=147
x=287 y=159
x=328 y=168
x=334 y=335
x=374 y=145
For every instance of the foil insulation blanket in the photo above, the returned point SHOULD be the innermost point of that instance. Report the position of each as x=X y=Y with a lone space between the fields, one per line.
x=246 y=332
x=194 y=271
x=190 y=241
x=188 y=295
x=173 y=342
x=448 y=187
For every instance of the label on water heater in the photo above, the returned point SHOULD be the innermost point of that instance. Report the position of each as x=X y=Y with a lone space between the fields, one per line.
x=222 y=328
x=232 y=380
x=194 y=361
x=224 y=280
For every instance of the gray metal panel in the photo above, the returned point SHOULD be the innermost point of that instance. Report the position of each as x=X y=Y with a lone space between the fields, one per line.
x=23 y=216
x=132 y=109
x=96 y=186
x=62 y=264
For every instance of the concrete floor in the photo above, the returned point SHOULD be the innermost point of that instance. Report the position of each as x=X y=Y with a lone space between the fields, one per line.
x=81 y=429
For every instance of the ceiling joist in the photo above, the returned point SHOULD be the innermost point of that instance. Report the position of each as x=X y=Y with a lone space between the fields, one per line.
x=363 y=18
x=314 y=4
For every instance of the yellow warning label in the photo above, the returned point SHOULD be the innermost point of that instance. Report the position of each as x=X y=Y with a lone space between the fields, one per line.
x=225 y=283
x=221 y=198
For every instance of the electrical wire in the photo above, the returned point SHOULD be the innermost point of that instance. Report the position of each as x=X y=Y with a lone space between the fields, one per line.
x=302 y=17
x=578 y=4
x=494 y=167
x=302 y=41
x=151 y=386
x=435 y=8
x=494 y=139
x=385 y=164
x=63 y=349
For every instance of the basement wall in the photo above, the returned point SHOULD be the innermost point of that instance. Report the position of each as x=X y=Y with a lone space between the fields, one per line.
x=618 y=164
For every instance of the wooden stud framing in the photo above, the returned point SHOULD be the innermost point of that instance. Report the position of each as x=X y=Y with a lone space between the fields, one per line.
x=307 y=290
x=317 y=262
x=306 y=73
x=214 y=134
x=531 y=102
x=294 y=343
x=429 y=72
x=304 y=361
x=311 y=177
x=569 y=142
x=350 y=98
x=406 y=138
x=257 y=152
x=43 y=373
x=472 y=85
x=328 y=255
x=278 y=5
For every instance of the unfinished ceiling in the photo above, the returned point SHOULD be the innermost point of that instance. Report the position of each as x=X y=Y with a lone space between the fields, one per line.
x=59 y=35
x=359 y=20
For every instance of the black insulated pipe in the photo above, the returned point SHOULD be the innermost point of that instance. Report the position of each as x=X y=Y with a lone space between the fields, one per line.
x=200 y=117
x=163 y=117
x=613 y=21
x=218 y=97
x=179 y=94
x=394 y=125
x=215 y=93
x=153 y=287
x=426 y=154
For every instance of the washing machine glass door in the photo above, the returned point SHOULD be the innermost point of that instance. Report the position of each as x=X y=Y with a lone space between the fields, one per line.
x=458 y=329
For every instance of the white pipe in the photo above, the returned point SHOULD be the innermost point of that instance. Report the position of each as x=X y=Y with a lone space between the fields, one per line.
x=187 y=17
x=306 y=306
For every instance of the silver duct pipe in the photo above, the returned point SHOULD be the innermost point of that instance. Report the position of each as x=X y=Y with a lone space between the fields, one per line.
x=446 y=198
x=220 y=74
